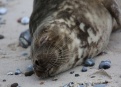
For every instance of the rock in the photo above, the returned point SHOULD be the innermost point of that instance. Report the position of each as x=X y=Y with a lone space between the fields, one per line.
x=105 y=64
x=25 y=39
x=3 y=11
x=14 y=85
x=77 y=75
x=84 y=69
x=29 y=73
x=17 y=72
x=24 y=54
x=72 y=72
x=25 y=20
x=30 y=68
x=1 y=37
x=10 y=73
x=89 y=62
x=4 y=80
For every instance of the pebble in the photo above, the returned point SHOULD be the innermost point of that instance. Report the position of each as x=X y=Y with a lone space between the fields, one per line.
x=84 y=69
x=72 y=72
x=24 y=54
x=4 y=80
x=29 y=73
x=25 y=39
x=14 y=85
x=30 y=68
x=100 y=85
x=77 y=75
x=17 y=72
x=3 y=11
x=1 y=37
x=89 y=62
x=25 y=20
x=105 y=64
x=10 y=73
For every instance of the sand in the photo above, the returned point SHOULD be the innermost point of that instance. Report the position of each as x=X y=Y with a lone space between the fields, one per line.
x=11 y=57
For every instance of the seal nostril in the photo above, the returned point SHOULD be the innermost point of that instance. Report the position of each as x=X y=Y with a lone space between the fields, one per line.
x=37 y=63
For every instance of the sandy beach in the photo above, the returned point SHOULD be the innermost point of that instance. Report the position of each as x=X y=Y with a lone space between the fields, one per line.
x=11 y=55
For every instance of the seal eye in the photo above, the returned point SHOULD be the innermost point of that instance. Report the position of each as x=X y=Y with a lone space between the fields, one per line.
x=37 y=63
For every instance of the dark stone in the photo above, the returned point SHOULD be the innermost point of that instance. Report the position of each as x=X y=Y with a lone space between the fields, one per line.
x=84 y=69
x=29 y=73
x=89 y=62
x=1 y=37
x=14 y=85
x=4 y=80
x=77 y=75
x=105 y=64
x=72 y=72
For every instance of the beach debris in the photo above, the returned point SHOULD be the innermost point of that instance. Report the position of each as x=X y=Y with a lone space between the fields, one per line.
x=77 y=75
x=30 y=73
x=25 y=39
x=89 y=62
x=24 y=20
x=105 y=64
x=3 y=10
x=10 y=73
x=84 y=69
x=14 y=85
x=100 y=85
x=18 y=71
x=72 y=72
x=1 y=37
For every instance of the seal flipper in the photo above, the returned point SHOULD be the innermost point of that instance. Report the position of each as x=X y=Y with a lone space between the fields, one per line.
x=114 y=9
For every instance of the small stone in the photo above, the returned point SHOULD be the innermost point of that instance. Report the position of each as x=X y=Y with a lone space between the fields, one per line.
x=105 y=64
x=29 y=73
x=77 y=75
x=4 y=80
x=30 y=68
x=71 y=84
x=1 y=37
x=24 y=54
x=72 y=72
x=84 y=69
x=25 y=20
x=89 y=62
x=93 y=76
x=14 y=85
x=10 y=73
x=3 y=11
x=100 y=85
x=25 y=39
x=17 y=72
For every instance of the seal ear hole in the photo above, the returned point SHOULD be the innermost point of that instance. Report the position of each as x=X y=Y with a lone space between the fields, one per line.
x=37 y=63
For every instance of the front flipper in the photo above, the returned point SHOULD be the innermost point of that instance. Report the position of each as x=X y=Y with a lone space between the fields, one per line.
x=114 y=9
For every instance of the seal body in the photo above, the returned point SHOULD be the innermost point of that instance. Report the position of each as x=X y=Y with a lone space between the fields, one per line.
x=65 y=32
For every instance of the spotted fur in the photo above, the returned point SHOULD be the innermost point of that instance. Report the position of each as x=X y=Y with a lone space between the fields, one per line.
x=65 y=32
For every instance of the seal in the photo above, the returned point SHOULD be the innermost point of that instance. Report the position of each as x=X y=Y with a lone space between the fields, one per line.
x=65 y=33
